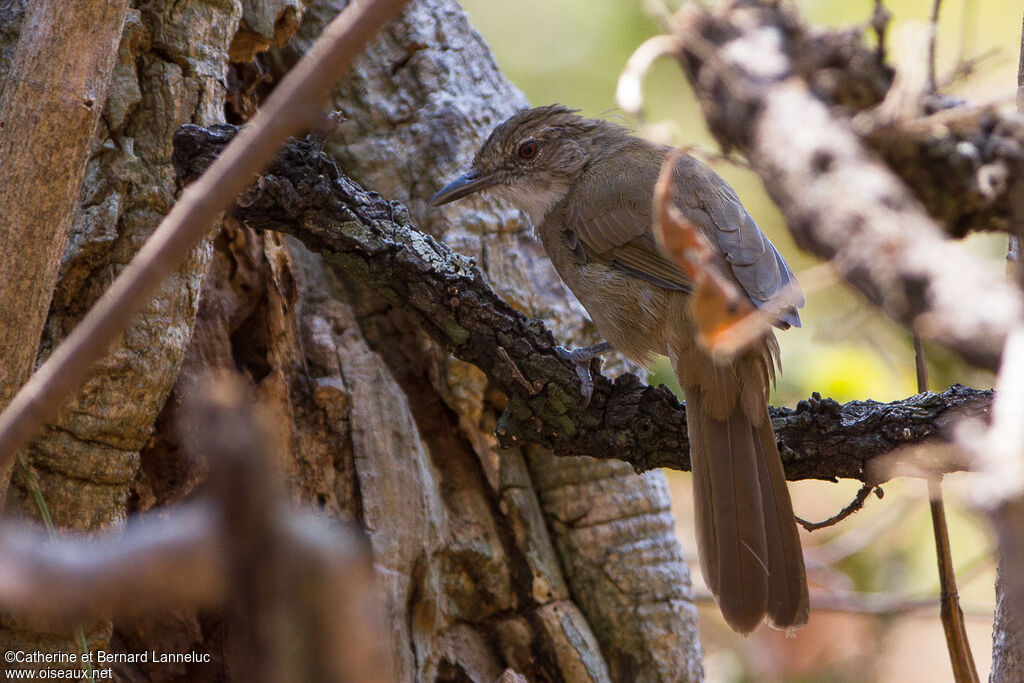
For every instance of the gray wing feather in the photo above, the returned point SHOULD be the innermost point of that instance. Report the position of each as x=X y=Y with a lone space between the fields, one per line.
x=754 y=261
x=612 y=227
x=622 y=236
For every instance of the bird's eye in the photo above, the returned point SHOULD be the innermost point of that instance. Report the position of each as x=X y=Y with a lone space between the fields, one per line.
x=528 y=149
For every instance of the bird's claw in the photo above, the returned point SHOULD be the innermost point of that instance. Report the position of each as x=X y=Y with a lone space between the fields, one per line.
x=581 y=358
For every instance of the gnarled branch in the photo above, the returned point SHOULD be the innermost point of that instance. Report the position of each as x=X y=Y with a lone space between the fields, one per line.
x=306 y=195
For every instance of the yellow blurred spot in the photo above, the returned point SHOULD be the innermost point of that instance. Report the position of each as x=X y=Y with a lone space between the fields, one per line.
x=846 y=373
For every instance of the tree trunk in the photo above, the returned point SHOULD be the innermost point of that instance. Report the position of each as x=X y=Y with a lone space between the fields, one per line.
x=1008 y=629
x=488 y=559
x=415 y=107
x=51 y=103
x=170 y=70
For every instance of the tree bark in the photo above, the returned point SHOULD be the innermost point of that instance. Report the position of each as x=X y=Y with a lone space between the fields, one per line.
x=52 y=98
x=1008 y=628
x=169 y=70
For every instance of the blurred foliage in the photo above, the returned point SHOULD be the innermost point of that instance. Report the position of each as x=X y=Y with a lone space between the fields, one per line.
x=571 y=52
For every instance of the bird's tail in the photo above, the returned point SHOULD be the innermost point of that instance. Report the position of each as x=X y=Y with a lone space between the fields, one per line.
x=746 y=532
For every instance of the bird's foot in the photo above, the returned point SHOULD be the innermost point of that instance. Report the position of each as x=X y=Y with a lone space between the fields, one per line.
x=581 y=358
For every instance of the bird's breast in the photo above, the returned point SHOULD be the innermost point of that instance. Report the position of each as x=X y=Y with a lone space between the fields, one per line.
x=629 y=312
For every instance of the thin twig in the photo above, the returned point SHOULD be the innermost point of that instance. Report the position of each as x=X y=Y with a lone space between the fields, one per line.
x=920 y=365
x=966 y=67
x=856 y=504
x=533 y=388
x=711 y=157
x=842 y=546
x=295 y=104
x=932 y=38
x=885 y=605
x=880 y=18
x=878 y=604
x=629 y=91
x=32 y=484
x=960 y=656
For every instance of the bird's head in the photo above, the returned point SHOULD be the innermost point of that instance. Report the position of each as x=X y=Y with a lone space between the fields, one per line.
x=532 y=159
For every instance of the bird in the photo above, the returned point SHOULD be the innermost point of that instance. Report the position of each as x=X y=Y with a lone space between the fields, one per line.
x=587 y=186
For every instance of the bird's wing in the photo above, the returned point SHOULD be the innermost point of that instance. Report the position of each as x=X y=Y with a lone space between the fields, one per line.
x=614 y=226
x=756 y=265
x=622 y=237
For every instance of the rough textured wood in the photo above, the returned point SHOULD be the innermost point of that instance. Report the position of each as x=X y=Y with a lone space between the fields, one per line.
x=295 y=105
x=373 y=240
x=953 y=155
x=162 y=79
x=169 y=70
x=1008 y=629
x=51 y=103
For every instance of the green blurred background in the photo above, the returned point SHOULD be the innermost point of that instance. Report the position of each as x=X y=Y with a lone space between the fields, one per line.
x=572 y=52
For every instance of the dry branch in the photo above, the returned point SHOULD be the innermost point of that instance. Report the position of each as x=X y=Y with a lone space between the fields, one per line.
x=372 y=239
x=955 y=156
x=840 y=202
x=959 y=647
x=155 y=564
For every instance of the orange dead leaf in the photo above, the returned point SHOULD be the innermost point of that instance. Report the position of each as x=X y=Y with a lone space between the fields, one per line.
x=727 y=321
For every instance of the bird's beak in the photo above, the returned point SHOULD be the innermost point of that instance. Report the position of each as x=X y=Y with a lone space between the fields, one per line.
x=463 y=186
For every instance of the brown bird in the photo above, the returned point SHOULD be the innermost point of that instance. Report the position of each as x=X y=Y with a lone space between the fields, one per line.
x=588 y=187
